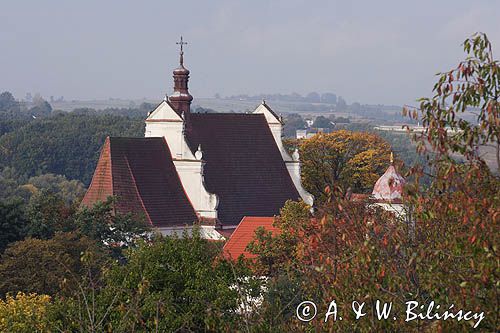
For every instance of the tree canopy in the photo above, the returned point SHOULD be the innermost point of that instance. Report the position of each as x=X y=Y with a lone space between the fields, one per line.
x=12 y=223
x=322 y=122
x=44 y=266
x=342 y=159
x=64 y=144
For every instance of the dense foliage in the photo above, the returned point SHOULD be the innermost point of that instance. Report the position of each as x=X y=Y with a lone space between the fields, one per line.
x=293 y=122
x=63 y=144
x=25 y=313
x=12 y=223
x=46 y=215
x=343 y=159
x=44 y=266
x=165 y=285
x=168 y=285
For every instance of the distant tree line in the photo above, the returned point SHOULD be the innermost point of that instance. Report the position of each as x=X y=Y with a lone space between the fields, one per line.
x=330 y=102
x=11 y=108
x=312 y=97
x=139 y=112
x=38 y=140
x=68 y=144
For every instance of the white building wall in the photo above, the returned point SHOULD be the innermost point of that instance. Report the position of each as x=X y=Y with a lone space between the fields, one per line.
x=165 y=122
x=206 y=232
x=191 y=175
x=276 y=128
x=399 y=210
x=292 y=162
x=294 y=171
x=300 y=134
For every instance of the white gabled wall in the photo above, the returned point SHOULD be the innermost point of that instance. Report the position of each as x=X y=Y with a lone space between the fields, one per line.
x=165 y=122
x=292 y=162
x=191 y=175
x=276 y=128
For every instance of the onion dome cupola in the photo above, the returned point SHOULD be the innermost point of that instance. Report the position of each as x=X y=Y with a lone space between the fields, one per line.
x=389 y=187
x=181 y=98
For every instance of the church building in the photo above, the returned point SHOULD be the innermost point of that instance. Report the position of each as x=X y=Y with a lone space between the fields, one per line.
x=211 y=169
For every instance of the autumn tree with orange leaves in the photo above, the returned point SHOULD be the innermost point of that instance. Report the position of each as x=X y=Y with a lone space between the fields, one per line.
x=342 y=159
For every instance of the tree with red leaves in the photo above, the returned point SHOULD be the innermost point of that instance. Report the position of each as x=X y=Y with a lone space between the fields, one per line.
x=448 y=253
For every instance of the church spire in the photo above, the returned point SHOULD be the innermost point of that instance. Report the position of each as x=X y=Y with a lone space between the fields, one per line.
x=181 y=54
x=181 y=99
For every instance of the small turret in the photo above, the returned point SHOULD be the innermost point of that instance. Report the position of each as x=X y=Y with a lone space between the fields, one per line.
x=389 y=187
x=181 y=98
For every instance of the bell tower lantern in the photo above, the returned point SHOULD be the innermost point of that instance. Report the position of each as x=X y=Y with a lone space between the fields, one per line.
x=181 y=98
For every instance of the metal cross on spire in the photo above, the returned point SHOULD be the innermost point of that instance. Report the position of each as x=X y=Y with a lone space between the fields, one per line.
x=181 y=43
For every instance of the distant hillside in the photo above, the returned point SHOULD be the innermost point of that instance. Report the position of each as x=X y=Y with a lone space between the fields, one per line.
x=385 y=114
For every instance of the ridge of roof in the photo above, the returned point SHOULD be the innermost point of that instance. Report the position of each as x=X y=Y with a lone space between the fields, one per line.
x=145 y=181
x=225 y=114
x=271 y=110
x=101 y=185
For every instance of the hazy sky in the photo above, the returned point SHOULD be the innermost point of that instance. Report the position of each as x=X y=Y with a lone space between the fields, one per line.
x=367 y=51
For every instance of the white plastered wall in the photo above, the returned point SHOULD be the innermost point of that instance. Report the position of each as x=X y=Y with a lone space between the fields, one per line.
x=191 y=175
x=165 y=122
x=292 y=162
x=206 y=232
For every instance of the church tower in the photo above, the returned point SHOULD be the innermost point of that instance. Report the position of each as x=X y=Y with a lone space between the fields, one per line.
x=230 y=165
x=181 y=98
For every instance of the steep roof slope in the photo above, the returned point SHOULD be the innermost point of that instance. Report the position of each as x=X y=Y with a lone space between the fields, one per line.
x=244 y=234
x=243 y=167
x=141 y=174
x=101 y=185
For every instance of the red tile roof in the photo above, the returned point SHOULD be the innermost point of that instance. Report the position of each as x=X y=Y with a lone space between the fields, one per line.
x=101 y=186
x=243 y=167
x=244 y=234
x=141 y=174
